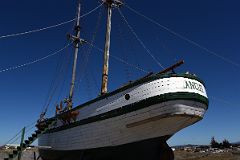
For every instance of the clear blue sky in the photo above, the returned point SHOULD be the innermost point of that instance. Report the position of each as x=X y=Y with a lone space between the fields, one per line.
x=214 y=24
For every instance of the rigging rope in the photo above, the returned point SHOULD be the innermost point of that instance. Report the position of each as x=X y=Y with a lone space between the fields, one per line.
x=117 y=58
x=13 y=138
x=64 y=75
x=93 y=75
x=89 y=50
x=59 y=79
x=139 y=40
x=49 y=27
x=63 y=78
x=123 y=52
x=184 y=38
x=35 y=61
x=221 y=100
x=18 y=135
x=54 y=85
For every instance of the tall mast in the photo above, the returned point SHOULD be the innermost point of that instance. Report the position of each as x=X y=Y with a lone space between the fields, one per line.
x=76 y=41
x=110 y=4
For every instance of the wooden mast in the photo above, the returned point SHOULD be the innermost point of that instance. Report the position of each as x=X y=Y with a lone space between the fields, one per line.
x=110 y=4
x=76 y=40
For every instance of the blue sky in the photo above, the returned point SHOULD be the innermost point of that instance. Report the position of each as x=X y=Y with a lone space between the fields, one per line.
x=213 y=24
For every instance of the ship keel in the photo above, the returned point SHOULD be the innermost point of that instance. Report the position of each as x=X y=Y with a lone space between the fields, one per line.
x=152 y=149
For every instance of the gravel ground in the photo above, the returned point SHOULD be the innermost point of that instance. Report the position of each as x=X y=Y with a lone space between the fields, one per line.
x=179 y=155
x=27 y=155
x=183 y=155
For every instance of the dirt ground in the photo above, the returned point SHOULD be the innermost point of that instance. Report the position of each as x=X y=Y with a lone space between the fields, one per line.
x=183 y=155
x=179 y=155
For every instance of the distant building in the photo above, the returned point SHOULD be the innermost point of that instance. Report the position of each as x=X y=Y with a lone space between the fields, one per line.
x=12 y=146
x=188 y=149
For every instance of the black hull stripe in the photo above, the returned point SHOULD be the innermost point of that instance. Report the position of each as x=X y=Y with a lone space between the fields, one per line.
x=135 y=106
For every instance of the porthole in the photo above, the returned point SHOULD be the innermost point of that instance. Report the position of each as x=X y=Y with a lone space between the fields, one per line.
x=127 y=96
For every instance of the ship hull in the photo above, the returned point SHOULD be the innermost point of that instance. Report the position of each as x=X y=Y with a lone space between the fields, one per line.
x=150 y=122
x=152 y=149
x=140 y=115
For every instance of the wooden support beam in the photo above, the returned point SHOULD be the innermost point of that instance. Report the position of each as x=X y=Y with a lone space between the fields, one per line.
x=171 y=68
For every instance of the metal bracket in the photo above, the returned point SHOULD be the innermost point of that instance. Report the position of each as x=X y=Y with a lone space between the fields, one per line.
x=76 y=39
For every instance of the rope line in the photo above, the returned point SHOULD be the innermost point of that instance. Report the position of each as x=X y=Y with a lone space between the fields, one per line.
x=222 y=100
x=121 y=60
x=184 y=38
x=13 y=138
x=18 y=135
x=49 y=27
x=55 y=85
x=93 y=10
x=139 y=40
x=54 y=88
x=36 y=30
x=35 y=61
x=118 y=59
x=121 y=38
x=89 y=50
x=64 y=75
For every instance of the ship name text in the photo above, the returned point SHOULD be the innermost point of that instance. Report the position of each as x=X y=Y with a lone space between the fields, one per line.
x=194 y=86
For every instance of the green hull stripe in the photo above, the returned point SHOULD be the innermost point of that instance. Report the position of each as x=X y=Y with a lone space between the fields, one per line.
x=136 y=106
x=138 y=82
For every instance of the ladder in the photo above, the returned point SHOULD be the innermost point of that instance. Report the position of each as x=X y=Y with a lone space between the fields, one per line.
x=31 y=139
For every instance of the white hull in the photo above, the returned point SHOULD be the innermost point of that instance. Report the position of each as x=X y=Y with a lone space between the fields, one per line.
x=157 y=120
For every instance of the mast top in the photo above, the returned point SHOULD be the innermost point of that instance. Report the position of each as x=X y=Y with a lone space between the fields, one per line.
x=113 y=3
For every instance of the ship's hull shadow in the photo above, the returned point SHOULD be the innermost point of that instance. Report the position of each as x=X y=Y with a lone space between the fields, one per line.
x=153 y=149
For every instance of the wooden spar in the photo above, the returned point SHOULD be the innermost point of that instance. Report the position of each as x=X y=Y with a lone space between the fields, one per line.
x=110 y=4
x=76 y=40
x=172 y=67
x=106 y=50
